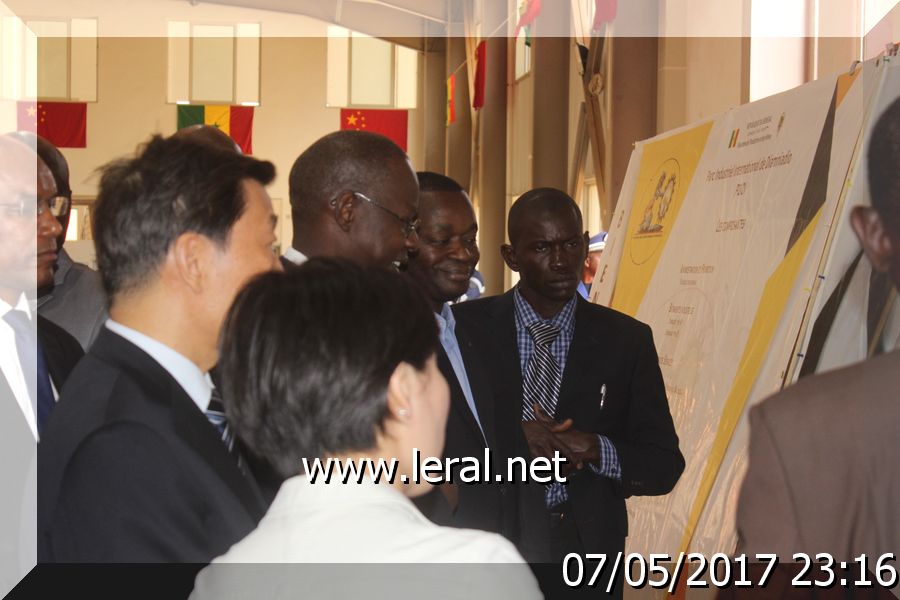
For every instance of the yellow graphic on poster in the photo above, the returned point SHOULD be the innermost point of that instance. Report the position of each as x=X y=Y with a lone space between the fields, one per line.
x=667 y=168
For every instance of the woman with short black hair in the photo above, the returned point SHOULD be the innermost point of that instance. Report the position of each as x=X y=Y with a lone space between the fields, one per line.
x=332 y=361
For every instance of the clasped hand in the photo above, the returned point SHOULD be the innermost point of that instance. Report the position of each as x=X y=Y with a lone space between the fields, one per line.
x=545 y=435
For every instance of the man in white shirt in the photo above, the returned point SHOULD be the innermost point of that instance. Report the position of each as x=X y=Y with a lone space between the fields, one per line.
x=36 y=356
x=353 y=195
x=135 y=466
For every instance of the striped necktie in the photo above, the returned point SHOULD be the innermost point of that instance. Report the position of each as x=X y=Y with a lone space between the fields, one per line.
x=215 y=413
x=543 y=377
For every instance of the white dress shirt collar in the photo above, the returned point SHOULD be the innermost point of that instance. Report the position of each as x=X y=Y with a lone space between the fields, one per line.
x=188 y=375
x=295 y=256
x=11 y=367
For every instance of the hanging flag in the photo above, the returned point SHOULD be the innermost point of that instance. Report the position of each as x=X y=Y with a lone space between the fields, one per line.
x=480 y=68
x=532 y=10
x=392 y=124
x=604 y=12
x=236 y=121
x=451 y=105
x=63 y=124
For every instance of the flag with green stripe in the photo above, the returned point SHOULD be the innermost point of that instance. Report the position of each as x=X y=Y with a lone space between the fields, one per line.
x=236 y=121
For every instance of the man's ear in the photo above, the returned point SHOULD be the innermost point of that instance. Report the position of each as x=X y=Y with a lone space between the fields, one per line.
x=509 y=257
x=343 y=210
x=404 y=385
x=873 y=236
x=189 y=257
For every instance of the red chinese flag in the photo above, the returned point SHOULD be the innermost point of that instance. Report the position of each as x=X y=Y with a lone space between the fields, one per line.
x=480 y=68
x=63 y=124
x=392 y=124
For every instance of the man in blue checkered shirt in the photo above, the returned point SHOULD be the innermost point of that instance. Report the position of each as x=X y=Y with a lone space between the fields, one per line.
x=573 y=377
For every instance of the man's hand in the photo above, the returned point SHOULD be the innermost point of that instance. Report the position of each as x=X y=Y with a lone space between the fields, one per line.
x=578 y=447
x=543 y=438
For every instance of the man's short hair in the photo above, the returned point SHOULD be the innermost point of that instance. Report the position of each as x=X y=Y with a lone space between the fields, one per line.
x=430 y=181
x=173 y=186
x=340 y=161
x=302 y=380
x=537 y=201
x=884 y=165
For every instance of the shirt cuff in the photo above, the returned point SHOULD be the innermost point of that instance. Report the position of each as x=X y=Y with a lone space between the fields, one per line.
x=609 y=460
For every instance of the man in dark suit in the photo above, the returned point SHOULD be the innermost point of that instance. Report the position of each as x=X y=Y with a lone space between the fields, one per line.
x=442 y=265
x=354 y=196
x=576 y=378
x=137 y=464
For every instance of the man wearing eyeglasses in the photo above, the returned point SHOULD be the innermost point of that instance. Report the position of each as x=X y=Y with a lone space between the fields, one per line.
x=74 y=298
x=354 y=195
x=36 y=356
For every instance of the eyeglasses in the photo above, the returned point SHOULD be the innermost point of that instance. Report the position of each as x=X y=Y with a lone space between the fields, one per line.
x=27 y=207
x=409 y=226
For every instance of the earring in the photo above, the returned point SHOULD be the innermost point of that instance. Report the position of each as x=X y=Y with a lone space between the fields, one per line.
x=403 y=412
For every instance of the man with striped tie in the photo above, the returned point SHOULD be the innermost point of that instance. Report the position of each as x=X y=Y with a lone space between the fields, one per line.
x=137 y=464
x=575 y=377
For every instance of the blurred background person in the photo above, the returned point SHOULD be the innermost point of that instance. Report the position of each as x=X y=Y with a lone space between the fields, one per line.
x=303 y=380
x=595 y=250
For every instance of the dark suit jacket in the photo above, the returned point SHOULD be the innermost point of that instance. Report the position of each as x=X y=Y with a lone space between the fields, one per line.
x=61 y=350
x=487 y=506
x=130 y=470
x=607 y=347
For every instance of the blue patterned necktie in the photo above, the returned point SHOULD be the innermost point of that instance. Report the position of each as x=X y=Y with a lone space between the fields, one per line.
x=34 y=365
x=215 y=413
x=543 y=376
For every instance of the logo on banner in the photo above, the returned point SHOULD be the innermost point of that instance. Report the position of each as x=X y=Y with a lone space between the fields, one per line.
x=734 y=138
x=657 y=198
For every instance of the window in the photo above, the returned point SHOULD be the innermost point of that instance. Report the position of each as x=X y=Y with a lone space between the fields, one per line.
x=369 y=72
x=49 y=60
x=213 y=63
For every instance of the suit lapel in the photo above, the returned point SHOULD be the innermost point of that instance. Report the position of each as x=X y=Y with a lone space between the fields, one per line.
x=510 y=367
x=457 y=397
x=194 y=428
x=482 y=392
x=189 y=423
x=582 y=359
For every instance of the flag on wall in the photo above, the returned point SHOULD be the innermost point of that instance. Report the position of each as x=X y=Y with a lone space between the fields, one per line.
x=480 y=68
x=236 y=121
x=451 y=107
x=63 y=124
x=391 y=124
x=532 y=10
x=604 y=12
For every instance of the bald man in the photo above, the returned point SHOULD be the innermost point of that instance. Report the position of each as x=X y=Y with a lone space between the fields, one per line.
x=354 y=195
